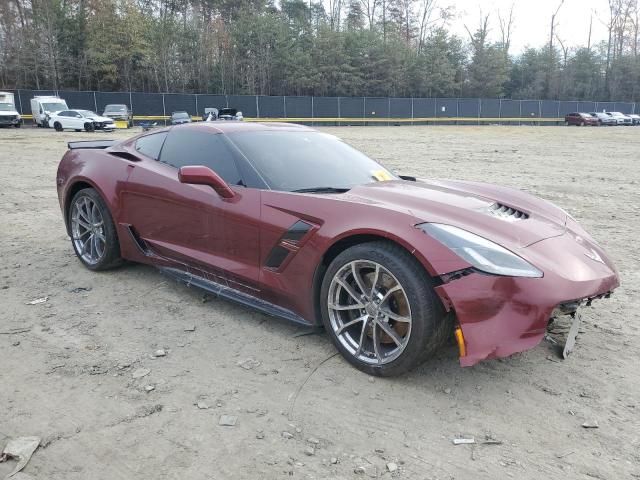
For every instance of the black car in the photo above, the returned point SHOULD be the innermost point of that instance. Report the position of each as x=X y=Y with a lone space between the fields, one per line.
x=178 y=118
x=118 y=111
x=230 y=114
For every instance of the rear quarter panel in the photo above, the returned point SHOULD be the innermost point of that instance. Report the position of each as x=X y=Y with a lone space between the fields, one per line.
x=104 y=172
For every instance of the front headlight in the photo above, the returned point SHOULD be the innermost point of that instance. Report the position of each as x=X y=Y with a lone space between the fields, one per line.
x=483 y=254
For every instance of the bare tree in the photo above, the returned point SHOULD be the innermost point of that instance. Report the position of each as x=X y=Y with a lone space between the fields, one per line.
x=335 y=11
x=370 y=7
x=553 y=27
x=506 y=27
x=431 y=14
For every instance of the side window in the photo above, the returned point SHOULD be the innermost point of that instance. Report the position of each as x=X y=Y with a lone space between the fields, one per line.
x=63 y=114
x=185 y=146
x=150 y=145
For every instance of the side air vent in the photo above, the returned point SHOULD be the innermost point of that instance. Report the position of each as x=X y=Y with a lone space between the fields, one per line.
x=296 y=232
x=507 y=213
x=276 y=256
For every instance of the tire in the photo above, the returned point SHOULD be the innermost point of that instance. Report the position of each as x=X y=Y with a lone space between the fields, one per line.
x=78 y=129
x=89 y=127
x=89 y=208
x=427 y=329
x=18 y=125
x=58 y=126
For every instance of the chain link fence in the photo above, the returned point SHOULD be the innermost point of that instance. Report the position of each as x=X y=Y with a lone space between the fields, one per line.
x=332 y=110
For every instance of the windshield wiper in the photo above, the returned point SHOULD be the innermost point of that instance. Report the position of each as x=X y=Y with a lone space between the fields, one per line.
x=321 y=190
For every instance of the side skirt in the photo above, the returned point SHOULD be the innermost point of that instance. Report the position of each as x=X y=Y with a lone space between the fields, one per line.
x=234 y=295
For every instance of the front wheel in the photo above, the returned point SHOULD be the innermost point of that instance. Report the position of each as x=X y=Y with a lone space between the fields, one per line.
x=18 y=125
x=57 y=126
x=89 y=127
x=93 y=233
x=380 y=309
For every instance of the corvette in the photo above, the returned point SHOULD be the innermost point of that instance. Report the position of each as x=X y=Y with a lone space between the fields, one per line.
x=296 y=223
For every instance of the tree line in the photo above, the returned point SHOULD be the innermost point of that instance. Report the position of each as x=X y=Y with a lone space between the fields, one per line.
x=307 y=47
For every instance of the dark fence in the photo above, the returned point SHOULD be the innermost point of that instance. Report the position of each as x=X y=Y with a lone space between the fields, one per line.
x=338 y=110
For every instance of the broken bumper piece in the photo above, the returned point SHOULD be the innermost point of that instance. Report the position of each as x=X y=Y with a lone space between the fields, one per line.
x=499 y=316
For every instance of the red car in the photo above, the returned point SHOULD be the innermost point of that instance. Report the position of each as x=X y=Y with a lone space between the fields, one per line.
x=299 y=225
x=581 y=119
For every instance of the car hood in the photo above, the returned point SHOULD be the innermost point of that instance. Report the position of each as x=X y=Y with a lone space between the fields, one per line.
x=8 y=112
x=507 y=216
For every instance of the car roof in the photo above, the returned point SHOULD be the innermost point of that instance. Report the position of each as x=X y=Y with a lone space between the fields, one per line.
x=229 y=127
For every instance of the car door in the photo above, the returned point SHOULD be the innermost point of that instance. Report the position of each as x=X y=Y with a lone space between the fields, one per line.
x=191 y=224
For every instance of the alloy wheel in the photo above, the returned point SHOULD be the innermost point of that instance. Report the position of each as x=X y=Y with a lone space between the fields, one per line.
x=369 y=312
x=87 y=229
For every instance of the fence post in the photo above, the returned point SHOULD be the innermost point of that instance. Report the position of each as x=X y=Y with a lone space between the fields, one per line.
x=520 y=116
x=196 y=95
x=412 y=117
x=257 y=108
x=500 y=111
x=312 y=114
x=539 y=112
x=20 y=102
x=479 y=110
x=95 y=102
x=339 y=111
x=164 y=111
x=284 y=105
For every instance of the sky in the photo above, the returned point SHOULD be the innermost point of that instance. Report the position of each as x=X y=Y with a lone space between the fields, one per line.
x=533 y=20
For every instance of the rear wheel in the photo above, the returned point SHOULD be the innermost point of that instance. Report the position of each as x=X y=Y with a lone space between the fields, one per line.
x=57 y=126
x=93 y=233
x=380 y=310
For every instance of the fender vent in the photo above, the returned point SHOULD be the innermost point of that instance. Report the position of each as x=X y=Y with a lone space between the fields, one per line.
x=507 y=213
x=276 y=257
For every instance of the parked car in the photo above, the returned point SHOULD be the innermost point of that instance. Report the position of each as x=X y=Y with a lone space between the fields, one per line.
x=9 y=116
x=581 y=119
x=604 y=119
x=620 y=118
x=230 y=114
x=42 y=107
x=118 y=111
x=210 y=114
x=300 y=225
x=635 y=118
x=178 y=118
x=79 y=120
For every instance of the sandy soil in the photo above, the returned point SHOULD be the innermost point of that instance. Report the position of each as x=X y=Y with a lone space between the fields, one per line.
x=69 y=377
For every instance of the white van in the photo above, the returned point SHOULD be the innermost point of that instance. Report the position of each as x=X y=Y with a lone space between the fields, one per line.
x=41 y=107
x=8 y=114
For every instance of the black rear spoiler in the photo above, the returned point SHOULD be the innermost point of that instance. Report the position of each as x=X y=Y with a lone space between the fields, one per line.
x=98 y=144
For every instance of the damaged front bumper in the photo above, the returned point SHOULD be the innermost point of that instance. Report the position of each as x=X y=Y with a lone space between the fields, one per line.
x=499 y=316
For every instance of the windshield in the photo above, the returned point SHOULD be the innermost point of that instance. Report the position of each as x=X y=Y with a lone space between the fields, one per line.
x=181 y=115
x=87 y=113
x=6 y=107
x=54 y=107
x=291 y=161
x=115 y=108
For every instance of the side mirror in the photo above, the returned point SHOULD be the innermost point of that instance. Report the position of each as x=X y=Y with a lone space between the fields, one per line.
x=201 y=175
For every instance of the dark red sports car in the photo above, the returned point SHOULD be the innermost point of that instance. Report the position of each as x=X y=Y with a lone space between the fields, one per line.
x=298 y=224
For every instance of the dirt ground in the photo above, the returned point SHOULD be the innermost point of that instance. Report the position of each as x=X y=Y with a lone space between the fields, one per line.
x=302 y=412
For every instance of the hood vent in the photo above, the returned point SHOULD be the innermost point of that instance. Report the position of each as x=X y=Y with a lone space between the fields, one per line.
x=507 y=213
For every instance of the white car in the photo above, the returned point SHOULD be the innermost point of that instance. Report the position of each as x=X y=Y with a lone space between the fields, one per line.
x=79 y=120
x=621 y=118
